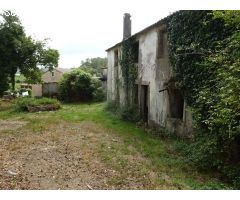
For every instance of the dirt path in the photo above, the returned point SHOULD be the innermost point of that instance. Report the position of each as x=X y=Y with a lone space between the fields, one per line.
x=65 y=156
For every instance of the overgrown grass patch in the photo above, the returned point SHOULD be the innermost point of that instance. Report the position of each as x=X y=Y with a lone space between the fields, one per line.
x=34 y=105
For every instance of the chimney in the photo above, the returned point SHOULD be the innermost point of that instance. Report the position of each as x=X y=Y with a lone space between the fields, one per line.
x=126 y=26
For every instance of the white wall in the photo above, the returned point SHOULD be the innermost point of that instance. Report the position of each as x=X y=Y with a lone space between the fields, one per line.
x=154 y=72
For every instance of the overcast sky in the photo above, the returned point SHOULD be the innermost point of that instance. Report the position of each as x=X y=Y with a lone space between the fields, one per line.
x=84 y=29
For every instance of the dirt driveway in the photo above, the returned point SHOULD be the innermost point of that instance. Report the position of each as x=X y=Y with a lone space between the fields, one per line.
x=64 y=156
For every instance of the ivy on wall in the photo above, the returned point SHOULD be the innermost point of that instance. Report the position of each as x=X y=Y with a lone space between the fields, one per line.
x=204 y=52
x=128 y=65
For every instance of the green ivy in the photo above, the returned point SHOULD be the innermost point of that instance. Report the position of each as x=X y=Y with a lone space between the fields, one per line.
x=128 y=67
x=204 y=49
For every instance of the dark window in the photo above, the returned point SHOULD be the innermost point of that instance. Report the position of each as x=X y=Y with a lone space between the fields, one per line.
x=144 y=102
x=115 y=58
x=176 y=103
x=52 y=73
x=135 y=51
x=160 y=50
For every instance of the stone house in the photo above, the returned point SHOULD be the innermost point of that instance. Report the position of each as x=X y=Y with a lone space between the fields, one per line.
x=50 y=80
x=160 y=103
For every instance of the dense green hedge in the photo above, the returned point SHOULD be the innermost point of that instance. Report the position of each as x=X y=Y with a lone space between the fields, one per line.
x=204 y=48
x=79 y=85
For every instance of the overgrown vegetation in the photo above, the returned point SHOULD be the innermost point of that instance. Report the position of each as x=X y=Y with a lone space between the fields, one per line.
x=129 y=53
x=34 y=105
x=79 y=85
x=128 y=113
x=204 y=52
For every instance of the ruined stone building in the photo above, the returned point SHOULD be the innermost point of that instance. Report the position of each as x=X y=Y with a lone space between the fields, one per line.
x=159 y=101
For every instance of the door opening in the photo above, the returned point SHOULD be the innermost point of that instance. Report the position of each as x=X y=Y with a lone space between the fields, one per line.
x=144 y=102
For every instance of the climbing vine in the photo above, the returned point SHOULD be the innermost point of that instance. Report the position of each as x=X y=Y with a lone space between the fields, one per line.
x=204 y=53
x=128 y=65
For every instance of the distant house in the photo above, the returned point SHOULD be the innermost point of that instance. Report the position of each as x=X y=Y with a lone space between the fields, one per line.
x=50 y=80
x=49 y=83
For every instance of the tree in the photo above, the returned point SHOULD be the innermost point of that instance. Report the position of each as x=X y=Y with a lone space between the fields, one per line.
x=76 y=86
x=11 y=32
x=21 y=52
x=94 y=66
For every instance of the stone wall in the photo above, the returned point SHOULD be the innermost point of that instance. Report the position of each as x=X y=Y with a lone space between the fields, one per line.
x=154 y=75
x=52 y=77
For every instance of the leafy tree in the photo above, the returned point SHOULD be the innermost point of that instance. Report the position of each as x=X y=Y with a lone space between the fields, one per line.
x=76 y=85
x=21 y=52
x=11 y=32
x=94 y=66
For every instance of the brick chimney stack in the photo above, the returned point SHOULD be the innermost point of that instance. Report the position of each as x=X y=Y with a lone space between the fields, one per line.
x=127 y=26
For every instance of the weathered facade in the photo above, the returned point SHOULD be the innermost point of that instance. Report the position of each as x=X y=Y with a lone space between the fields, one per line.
x=159 y=101
x=50 y=80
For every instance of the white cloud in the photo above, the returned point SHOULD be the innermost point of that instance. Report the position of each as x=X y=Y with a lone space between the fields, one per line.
x=81 y=29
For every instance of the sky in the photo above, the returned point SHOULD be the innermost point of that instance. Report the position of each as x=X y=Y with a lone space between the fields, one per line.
x=82 y=29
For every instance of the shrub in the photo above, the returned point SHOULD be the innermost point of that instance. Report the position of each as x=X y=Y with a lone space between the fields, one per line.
x=98 y=93
x=126 y=113
x=130 y=113
x=111 y=106
x=33 y=105
x=79 y=85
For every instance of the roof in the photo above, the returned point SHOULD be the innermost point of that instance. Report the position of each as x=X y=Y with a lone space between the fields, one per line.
x=160 y=22
x=63 y=70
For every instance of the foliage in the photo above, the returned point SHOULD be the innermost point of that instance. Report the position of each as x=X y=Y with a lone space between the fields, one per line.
x=78 y=85
x=130 y=113
x=111 y=106
x=20 y=52
x=23 y=103
x=206 y=63
x=3 y=82
x=98 y=93
x=94 y=66
x=127 y=113
x=128 y=65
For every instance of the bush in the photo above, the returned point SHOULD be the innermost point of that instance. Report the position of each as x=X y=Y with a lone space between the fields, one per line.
x=111 y=106
x=98 y=93
x=79 y=85
x=34 y=105
x=130 y=113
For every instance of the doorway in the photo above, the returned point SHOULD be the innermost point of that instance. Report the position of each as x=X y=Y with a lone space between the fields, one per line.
x=144 y=102
x=176 y=103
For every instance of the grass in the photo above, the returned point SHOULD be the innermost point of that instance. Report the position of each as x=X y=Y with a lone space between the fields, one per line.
x=171 y=169
x=23 y=103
